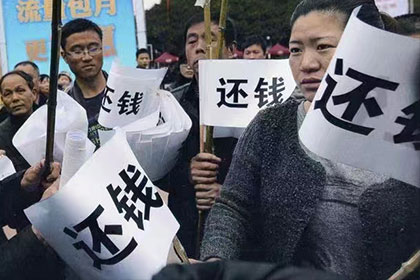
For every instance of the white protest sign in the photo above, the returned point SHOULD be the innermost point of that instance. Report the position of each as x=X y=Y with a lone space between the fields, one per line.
x=6 y=167
x=75 y=154
x=109 y=222
x=393 y=7
x=232 y=92
x=30 y=139
x=366 y=111
x=130 y=94
x=156 y=139
x=201 y=3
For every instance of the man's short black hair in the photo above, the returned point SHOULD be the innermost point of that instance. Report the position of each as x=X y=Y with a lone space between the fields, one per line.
x=22 y=74
x=410 y=23
x=28 y=62
x=255 y=40
x=140 y=51
x=77 y=26
x=230 y=31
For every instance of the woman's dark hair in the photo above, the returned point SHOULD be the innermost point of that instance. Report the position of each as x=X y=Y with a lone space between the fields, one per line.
x=369 y=12
x=42 y=77
x=25 y=76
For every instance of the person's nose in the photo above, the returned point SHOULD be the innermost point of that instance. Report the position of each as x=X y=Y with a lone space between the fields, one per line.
x=15 y=96
x=310 y=61
x=86 y=56
x=201 y=46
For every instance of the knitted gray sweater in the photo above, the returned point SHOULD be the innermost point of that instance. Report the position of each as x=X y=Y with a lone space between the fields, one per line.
x=271 y=193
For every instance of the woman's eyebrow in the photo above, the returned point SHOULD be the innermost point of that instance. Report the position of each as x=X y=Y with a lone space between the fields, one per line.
x=321 y=38
x=295 y=42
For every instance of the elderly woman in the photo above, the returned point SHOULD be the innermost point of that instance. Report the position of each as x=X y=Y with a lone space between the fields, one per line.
x=281 y=203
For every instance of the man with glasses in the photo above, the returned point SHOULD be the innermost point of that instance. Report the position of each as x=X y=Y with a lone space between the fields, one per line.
x=81 y=43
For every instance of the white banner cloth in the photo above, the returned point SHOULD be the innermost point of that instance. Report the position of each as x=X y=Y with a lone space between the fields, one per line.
x=130 y=95
x=366 y=111
x=232 y=92
x=109 y=222
x=6 y=167
x=30 y=139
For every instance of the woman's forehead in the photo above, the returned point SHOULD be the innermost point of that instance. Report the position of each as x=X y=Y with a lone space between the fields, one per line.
x=317 y=25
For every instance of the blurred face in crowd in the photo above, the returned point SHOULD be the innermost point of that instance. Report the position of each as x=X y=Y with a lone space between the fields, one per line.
x=195 y=45
x=44 y=86
x=83 y=54
x=17 y=96
x=313 y=42
x=254 y=52
x=63 y=81
x=416 y=35
x=143 y=60
x=28 y=69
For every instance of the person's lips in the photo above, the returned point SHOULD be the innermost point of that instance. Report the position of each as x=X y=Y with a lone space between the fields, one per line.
x=310 y=83
x=17 y=107
x=88 y=67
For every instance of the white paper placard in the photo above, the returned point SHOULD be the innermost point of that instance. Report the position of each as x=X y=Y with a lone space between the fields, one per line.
x=76 y=151
x=6 y=167
x=393 y=7
x=130 y=95
x=365 y=113
x=200 y=3
x=108 y=196
x=157 y=138
x=30 y=139
x=232 y=92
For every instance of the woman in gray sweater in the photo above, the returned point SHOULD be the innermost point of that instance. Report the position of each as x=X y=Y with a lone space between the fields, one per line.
x=281 y=203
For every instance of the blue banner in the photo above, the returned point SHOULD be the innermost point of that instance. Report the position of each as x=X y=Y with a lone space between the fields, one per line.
x=27 y=26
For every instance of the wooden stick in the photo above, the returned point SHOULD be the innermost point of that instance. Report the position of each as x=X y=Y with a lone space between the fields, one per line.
x=52 y=98
x=220 y=47
x=180 y=251
x=407 y=268
x=222 y=28
x=203 y=144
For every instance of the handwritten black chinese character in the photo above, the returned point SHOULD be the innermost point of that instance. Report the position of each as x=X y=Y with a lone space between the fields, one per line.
x=411 y=126
x=233 y=93
x=355 y=99
x=136 y=194
x=276 y=89
x=126 y=101
x=107 y=100
x=100 y=237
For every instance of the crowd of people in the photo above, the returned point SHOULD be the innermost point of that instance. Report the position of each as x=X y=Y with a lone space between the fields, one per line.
x=265 y=197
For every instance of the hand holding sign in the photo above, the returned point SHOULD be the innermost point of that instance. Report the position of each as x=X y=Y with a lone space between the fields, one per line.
x=204 y=168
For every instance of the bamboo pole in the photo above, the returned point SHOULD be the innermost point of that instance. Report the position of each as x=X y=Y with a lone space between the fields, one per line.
x=204 y=144
x=207 y=145
x=180 y=251
x=407 y=268
x=52 y=98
